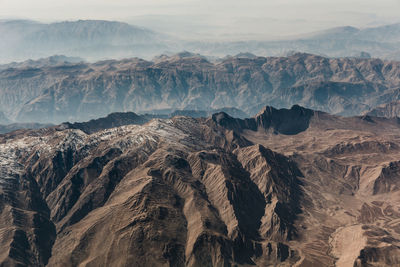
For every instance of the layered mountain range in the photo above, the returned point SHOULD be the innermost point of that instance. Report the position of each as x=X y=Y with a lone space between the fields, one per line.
x=90 y=39
x=186 y=81
x=99 y=39
x=54 y=60
x=198 y=159
x=288 y=187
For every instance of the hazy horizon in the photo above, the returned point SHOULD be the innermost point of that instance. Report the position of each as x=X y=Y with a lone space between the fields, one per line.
x=196 y=19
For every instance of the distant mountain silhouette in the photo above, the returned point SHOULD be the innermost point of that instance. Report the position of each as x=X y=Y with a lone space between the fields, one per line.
x=89 y=39
x=98 y=39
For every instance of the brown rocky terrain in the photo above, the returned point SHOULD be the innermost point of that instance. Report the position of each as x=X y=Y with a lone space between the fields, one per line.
x=288 y=187
x=83 y=91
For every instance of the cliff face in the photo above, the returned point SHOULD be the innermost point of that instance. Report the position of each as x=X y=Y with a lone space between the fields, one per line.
x=285 y=121
x=289 y=187
x=83 y=91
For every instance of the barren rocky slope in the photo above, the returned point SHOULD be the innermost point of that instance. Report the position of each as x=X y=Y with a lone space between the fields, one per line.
x=389 y=110
x=72 y=92
x=290 y=187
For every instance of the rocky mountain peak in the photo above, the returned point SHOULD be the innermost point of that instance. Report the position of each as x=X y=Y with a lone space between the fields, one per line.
x=285 y=121
x=222 y=118
x=115 y=119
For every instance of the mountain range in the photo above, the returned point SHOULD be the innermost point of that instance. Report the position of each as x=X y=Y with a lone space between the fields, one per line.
x=287 y=187
x=382 y=42
x=90 y=39
x=98 y=40
x=54 y=60
x=119 y=149
x=186 y=81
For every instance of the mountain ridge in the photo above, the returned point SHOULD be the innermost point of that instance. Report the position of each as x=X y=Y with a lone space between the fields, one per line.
x=198 y=192
x=86 y=39
x=83 y=91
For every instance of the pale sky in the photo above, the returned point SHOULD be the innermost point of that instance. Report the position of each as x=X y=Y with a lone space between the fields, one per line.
x=214 y=18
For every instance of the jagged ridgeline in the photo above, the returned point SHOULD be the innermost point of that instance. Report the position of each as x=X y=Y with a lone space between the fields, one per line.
x=81 y=91
x=287 y=187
